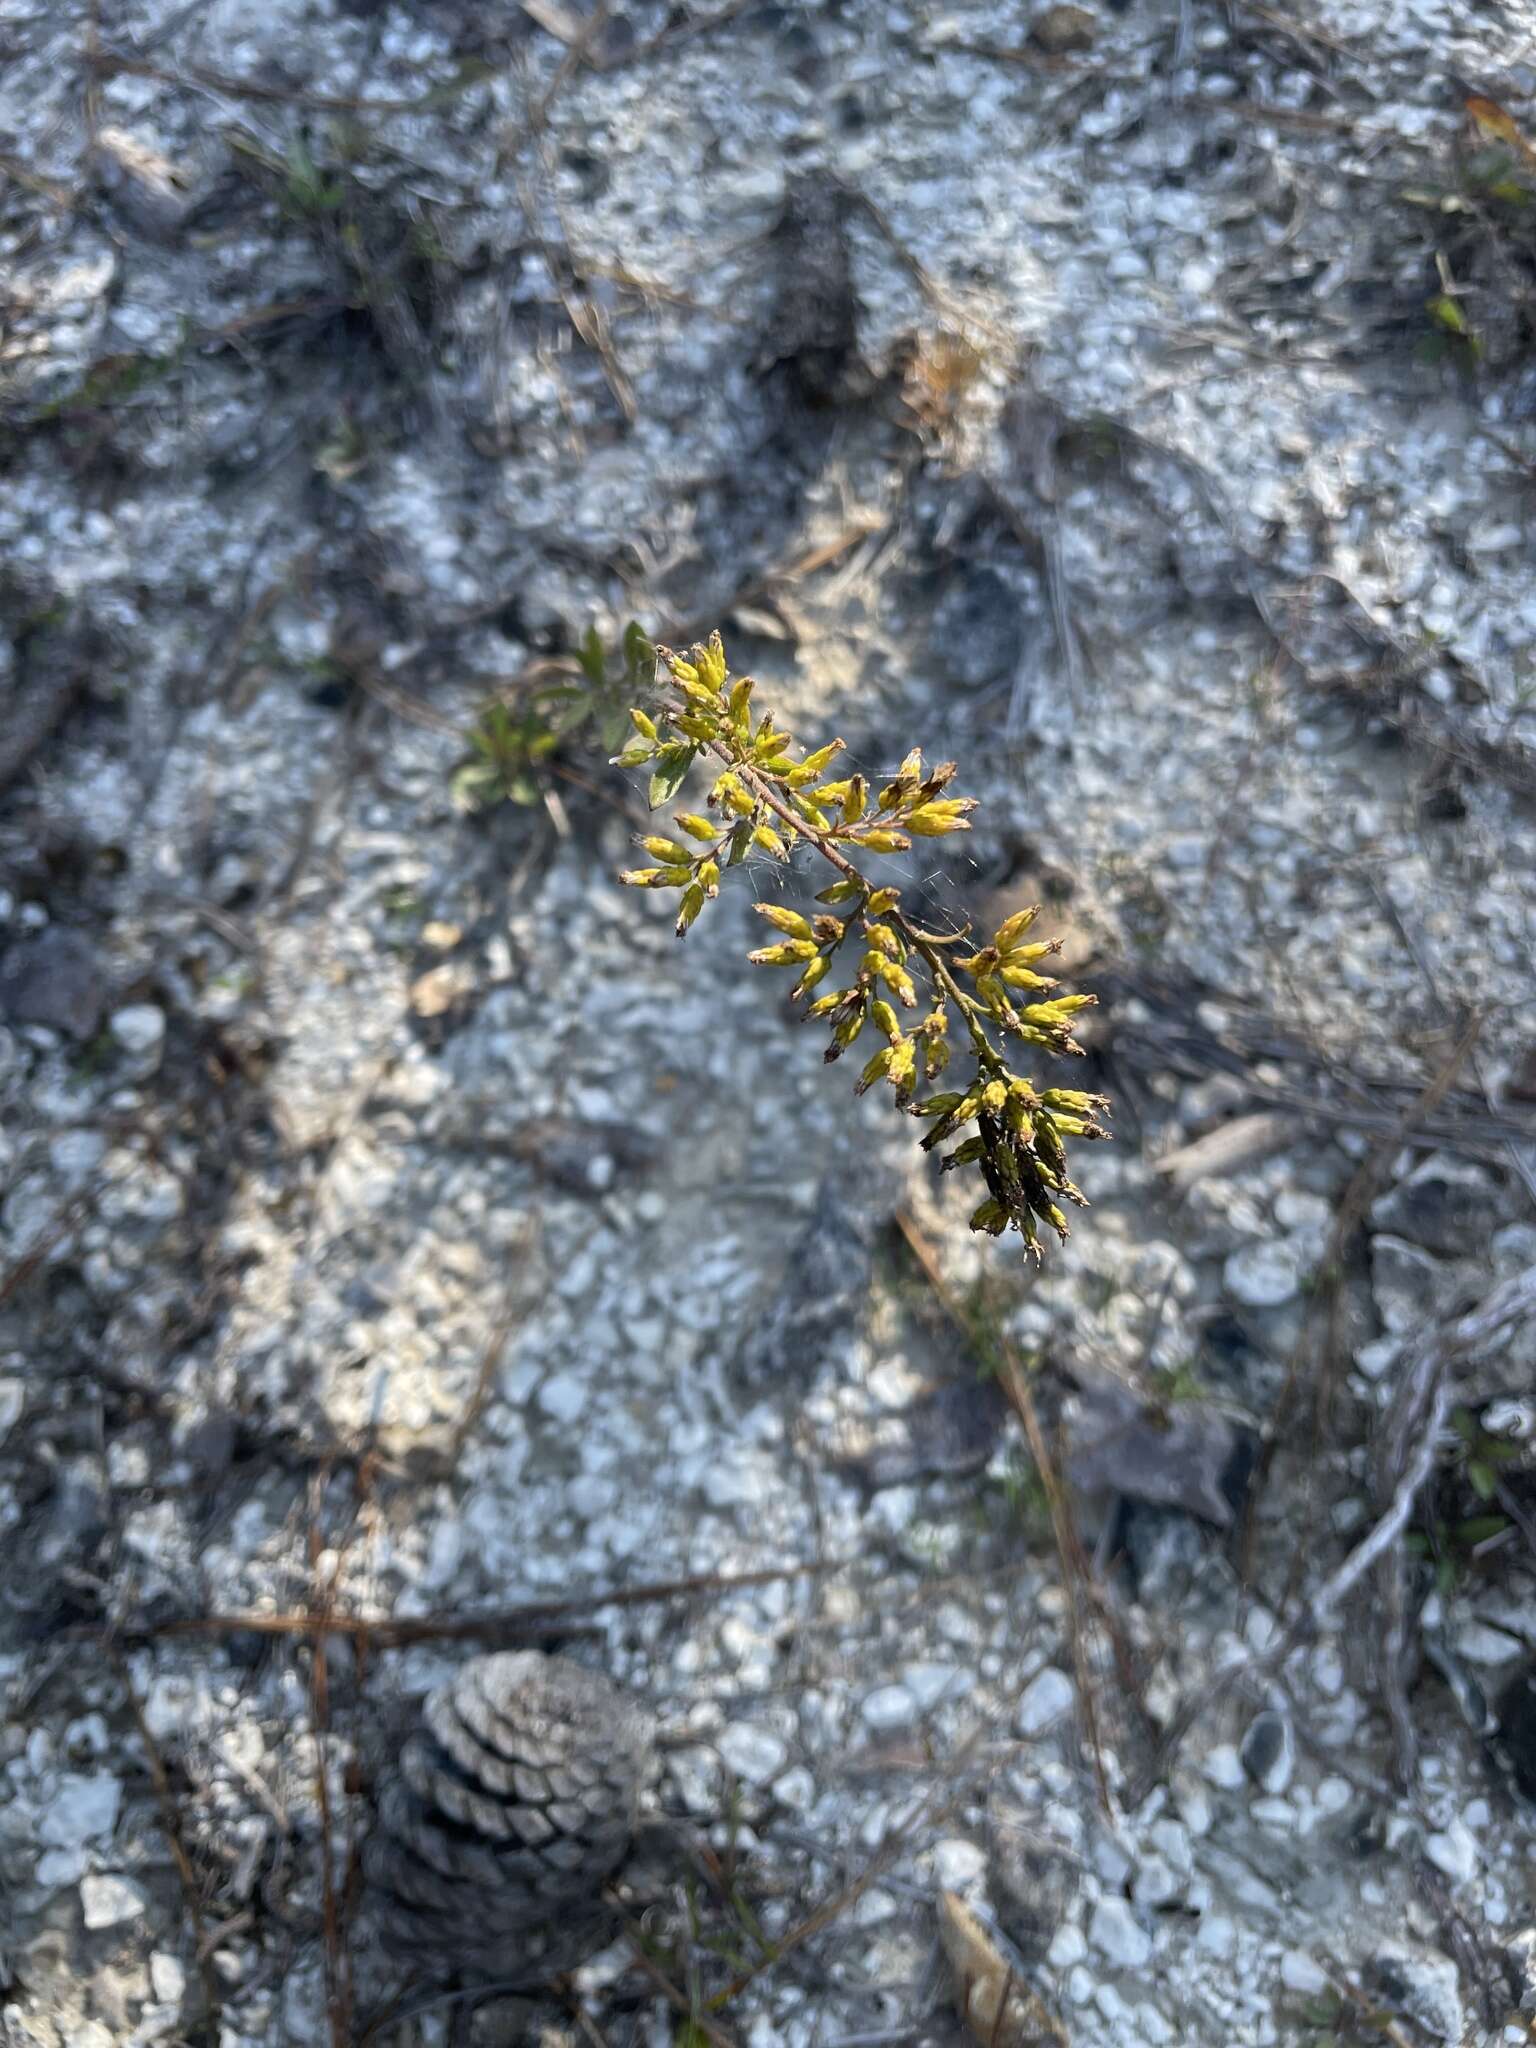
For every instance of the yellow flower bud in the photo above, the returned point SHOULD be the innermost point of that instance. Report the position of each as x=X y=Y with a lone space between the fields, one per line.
x=933 y=821
x=784 y=920
x=885 y=1019
x=808 y=769
x=709 y=663
x=789 y=954
x=667 y=850
x=1012 y=929
x=813 y=973
x=692 y=904
x=875 y=1069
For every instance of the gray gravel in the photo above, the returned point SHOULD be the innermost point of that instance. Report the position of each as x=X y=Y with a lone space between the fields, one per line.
x=334 y=1120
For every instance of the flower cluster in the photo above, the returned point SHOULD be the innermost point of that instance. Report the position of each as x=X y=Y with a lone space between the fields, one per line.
x=903 y=984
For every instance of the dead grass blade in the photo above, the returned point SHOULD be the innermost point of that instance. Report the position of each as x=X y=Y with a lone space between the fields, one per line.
x=537 y=1620
x=338 y=1970
x=1069 y=1548
x=171 y=1828
x=1325 y=1304
x=1405 y=1465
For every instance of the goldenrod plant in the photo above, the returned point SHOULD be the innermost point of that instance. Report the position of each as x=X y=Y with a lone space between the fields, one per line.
x=904 y=983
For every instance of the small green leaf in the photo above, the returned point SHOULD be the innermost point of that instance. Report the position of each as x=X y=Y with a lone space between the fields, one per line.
x=1446 y=312
x=473 y=786
x=672 y=764
x=593 y=661
x=1482 y=1479
x=1480 y=1529
x=639 y=656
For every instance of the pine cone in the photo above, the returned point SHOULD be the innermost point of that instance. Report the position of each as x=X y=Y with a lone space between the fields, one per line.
x=512 y=1807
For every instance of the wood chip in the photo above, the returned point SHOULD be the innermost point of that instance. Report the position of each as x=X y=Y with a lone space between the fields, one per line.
x=555 y=21
x=993 y=2000
x=1230 y=1146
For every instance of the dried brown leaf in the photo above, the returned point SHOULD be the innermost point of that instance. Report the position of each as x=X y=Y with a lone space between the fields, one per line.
x=993 y=2000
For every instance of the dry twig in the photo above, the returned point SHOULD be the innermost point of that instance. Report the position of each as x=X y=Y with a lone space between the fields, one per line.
x=1406 y=1464
x=536 y=1621
x=170 y=1823
x=1069 y=1548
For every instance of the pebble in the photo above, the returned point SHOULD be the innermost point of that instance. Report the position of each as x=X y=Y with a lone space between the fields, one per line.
x=13 y=1399
x=1155 y=1883
x=796 y=1789
x=1224 y=1767
x=1061 y=31
x=109 y=1901
x=889 y=1706
x=1299 y=1973
x=167 y=1978
x=1268 y=1753
x=139 y=1028
x=1117 y=1934
x=1454 y=1851
x=1334 y=1794
x=1408 y=1284
x=83 y=1809
x=1217 y=1934
x=958 y=1863
x=55 y=980
x=1043 y=1702
x=931 y=1683
x=562 y=1397
x=754 y=1753
x=1264 y=1275
x=59 y=1867
x=1067 y=1946
x=1426 y=1987
x=1480 y=1644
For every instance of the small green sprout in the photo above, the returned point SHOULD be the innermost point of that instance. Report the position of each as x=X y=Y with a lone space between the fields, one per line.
x=906 y=985
x=514 y=743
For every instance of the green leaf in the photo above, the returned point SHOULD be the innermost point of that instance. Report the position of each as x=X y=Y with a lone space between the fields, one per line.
x=475 y=786
x=672 y=764
x=1482 y=1479
x=639 y=656
x=1480 y=1529
x=593 y=661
